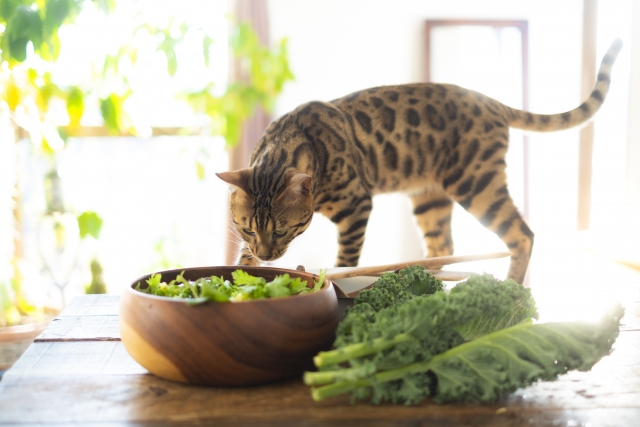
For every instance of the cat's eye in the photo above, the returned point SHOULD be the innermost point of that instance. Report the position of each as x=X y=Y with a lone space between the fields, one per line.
x=279 y=233
x=248 y=231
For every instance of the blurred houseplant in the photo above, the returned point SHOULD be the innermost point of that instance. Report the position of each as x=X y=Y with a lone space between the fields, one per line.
x=30 y=45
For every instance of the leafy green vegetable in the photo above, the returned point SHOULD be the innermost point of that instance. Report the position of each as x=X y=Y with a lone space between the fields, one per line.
x=241 y=277
x=482 y=369
x=244 y=287
x=394 y=288
x=391 y=289
x=425 y=325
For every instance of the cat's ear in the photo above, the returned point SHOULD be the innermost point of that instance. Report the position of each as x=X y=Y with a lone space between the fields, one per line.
x=238 y=179
x=298 y=186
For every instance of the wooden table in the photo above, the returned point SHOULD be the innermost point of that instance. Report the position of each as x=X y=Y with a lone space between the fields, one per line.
x=78 y=372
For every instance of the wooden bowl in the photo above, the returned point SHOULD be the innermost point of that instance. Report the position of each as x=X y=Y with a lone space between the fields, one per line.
x=237 y=343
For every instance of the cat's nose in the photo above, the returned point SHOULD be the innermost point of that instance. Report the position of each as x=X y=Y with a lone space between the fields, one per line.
x=265 y=256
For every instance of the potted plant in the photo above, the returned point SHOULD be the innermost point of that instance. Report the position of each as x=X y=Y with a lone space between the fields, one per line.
x=32 y=26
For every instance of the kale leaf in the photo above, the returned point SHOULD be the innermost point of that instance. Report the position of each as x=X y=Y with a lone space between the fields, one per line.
x=483 y=369
x=469 y=345
x=394 y=288
x=390 y=290
x=479 y=306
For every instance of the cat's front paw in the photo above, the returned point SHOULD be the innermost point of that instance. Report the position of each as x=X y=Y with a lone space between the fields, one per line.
x=247 y=258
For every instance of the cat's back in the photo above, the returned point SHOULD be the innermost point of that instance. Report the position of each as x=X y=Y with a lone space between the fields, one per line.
x=383 y=110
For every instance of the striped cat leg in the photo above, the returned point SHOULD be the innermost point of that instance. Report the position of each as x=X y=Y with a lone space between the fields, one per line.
x=246 y=257
x=433 y=213
x=352 y=224
x=489 y=201
x=518 y=237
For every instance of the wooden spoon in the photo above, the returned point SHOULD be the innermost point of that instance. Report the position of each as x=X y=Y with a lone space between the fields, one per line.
x=434 y=262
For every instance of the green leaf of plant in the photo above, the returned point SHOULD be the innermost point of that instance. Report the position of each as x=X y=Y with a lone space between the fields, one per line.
x=206 y=45
x=12 y=94
x=5 y=298
x=45 y=92
x=111 y=109
x=200 y=170
x=46 y=148
x=89 y=224
x=75 y=106
x=214 y=294
x=276 y=290
x=107 y=6
x=9 y=313
x=265 y=70
x=299 y=286
x=483 y=369
x=56 y=12
x=317 y=285
x=504 y=361
x=97 y=285
x=172 y=63
x=7 y=9
x=24 y=26
x=50 y=48
x=241 y=277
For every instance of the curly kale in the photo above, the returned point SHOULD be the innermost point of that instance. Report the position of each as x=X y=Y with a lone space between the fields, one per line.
x=421 y=327
x=497 y=304
x=470 y=345
x=483 y=369
x=479 y=306
x=390 y=290
x=395 y=288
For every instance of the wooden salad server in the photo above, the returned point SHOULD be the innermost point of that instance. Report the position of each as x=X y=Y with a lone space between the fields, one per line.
x=430 y=263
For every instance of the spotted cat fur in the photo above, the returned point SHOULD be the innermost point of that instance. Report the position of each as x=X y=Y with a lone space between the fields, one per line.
x=437 y=143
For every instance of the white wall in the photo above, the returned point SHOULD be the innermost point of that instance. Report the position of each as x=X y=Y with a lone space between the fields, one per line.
x=633 y=140
x=337 y=47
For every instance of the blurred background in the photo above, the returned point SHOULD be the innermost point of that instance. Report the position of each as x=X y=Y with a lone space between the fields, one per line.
x=115 y=114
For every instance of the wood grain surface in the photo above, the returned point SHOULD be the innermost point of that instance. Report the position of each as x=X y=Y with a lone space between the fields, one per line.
x=97 y=383
x=75 y=381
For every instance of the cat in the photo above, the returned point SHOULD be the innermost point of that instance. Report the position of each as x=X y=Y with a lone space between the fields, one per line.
x=438 y=143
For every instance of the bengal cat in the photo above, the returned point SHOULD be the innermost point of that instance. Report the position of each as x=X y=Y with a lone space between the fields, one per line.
x=437 y=143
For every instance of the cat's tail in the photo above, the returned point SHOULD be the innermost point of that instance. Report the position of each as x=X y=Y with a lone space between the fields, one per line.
x=551 y=122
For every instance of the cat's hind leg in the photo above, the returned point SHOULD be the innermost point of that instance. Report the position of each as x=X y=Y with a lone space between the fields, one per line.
x=487 y=198
x=433 y=213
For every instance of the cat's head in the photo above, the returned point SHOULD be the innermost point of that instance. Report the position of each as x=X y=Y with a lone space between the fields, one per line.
x=269 y=213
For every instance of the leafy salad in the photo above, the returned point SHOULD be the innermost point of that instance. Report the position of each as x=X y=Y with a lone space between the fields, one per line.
x=244 y=287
